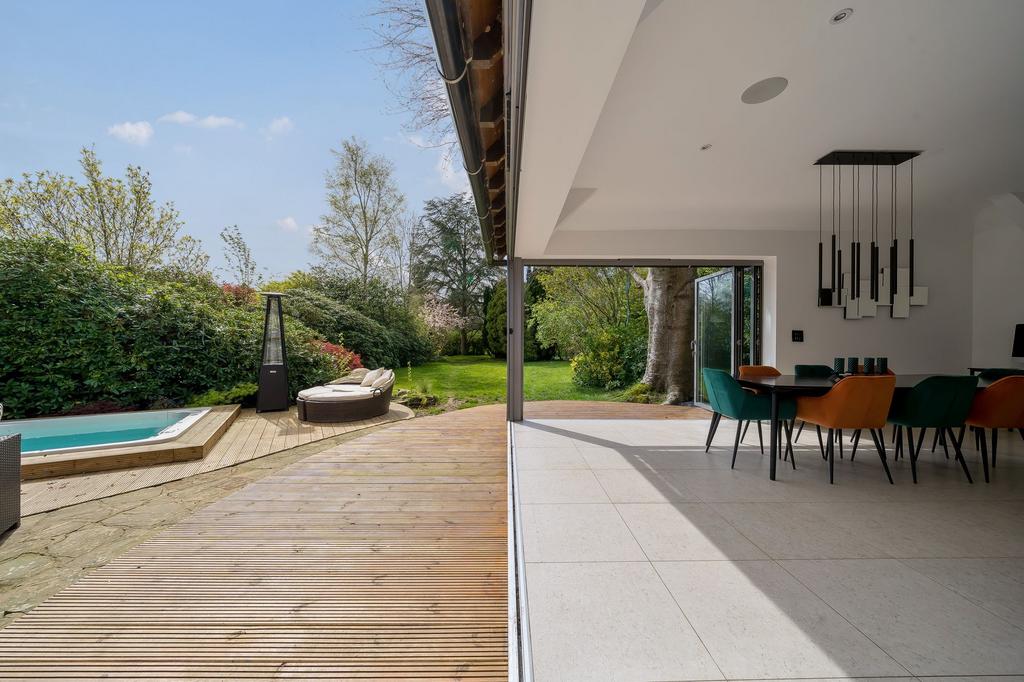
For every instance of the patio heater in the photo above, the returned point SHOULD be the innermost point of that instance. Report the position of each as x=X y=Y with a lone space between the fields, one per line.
x=273 y=393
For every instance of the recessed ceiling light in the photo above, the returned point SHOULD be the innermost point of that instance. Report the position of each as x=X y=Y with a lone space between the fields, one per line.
x=764 y=90
x=841 y=16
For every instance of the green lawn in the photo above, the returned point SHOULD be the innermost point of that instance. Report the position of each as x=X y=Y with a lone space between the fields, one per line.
x=479 y=380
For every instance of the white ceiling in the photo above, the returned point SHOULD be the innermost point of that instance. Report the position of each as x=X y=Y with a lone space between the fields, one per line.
x=943 y=76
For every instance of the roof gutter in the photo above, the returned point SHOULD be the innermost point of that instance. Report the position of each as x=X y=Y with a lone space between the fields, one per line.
x=454 y=70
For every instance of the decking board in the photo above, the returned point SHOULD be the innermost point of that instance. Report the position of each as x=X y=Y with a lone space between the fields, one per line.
x=383 y=558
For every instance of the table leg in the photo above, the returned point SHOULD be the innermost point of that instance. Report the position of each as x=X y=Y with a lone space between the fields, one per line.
x=775 y=435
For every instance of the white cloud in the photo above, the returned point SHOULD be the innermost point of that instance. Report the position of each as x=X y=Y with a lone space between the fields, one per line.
x=180 y=117
x=281 y=125
x=186 y=118
x=218 y=122
x=288 y=224
x=138 y=132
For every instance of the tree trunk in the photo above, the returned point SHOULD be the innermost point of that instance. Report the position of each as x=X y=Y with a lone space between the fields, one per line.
x=463 y=341
x=668 y=298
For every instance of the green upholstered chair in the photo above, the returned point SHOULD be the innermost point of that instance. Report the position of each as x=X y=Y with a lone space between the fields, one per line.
x=815 y=372
x=939 y=402
x=729 y=399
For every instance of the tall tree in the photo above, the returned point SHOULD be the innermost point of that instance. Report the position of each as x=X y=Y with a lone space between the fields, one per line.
x=364 y=204
x=669 y=301
x=402 y=243
x=117 y=220
x=241 y=264
x=448 y=259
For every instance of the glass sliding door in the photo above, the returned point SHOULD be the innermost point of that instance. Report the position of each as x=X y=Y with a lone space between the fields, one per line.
x=727 y=326
x=713 y=330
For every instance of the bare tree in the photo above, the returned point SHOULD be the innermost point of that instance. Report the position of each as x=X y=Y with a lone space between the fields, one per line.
x=364 y=206
x=241 y=264
x=404 y=49
x=403 y=239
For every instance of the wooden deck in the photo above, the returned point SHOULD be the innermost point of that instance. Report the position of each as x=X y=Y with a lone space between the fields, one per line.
x=380 y=558
x=251 y=435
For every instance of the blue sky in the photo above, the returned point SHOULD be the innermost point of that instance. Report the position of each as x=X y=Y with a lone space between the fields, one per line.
x=232 y=107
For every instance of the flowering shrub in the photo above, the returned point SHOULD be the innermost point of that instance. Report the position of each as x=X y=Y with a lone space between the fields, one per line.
x=440 y=319
x=239 y=294
x=347 y=360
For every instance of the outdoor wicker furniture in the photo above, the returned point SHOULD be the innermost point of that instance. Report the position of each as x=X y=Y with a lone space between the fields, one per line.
x=10 y=481
x=348 y=401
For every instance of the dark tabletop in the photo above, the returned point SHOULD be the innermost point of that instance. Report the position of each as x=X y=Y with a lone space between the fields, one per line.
x=790 y=383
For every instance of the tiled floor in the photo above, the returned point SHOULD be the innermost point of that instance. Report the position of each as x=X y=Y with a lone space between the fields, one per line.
x=650 y=560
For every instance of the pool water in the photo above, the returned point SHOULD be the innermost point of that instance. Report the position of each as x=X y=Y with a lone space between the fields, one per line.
x=60 y=434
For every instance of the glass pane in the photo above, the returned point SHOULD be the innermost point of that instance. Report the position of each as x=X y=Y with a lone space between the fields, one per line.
x=714 y=327
x=747 y=355
x=273 y=344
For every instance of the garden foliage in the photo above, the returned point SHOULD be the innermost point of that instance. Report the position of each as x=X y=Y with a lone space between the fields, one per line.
x=76 y=331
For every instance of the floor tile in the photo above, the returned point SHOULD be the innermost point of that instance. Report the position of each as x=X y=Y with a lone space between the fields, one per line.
x=550 y=486
x=757 y=621
x=928 y=628
x=651 y=486
x=795 y=530
x=686 y=532
x=611 y=621
x=561 y=457
x=996 y=585
x=577 y=532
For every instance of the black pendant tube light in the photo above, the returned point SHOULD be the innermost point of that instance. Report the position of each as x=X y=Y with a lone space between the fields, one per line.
x=873 y=256
x=911 y=292
x=894 y=253
x=832 y=295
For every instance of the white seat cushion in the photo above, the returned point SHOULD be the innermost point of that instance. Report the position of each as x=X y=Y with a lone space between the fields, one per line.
x=337 y=394
x=384 y=380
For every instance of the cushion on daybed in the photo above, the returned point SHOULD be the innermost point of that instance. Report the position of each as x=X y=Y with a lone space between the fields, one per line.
x=338 y=394
x=372 y=376
x=385 y=379
x=356 y=376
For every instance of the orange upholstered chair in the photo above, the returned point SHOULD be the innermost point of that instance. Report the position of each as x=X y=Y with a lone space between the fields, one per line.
x=750 y=372
x=1000 y=405
x=856 y=402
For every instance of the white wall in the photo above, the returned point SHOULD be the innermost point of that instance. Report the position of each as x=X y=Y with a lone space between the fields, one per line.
x=998 y=281
x=935 y=338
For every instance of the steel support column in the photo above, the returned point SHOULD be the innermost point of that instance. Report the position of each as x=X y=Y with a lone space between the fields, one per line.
x=514 y=345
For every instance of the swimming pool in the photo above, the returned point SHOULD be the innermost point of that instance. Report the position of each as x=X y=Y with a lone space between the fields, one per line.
x=52 y=435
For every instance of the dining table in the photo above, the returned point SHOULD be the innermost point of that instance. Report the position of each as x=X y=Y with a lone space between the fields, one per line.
x=792 y=386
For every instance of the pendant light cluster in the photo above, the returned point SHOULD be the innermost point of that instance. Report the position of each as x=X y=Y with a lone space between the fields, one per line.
x=885 y=286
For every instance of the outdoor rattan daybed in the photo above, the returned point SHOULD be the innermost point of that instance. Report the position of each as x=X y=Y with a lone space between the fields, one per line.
x=358 y=396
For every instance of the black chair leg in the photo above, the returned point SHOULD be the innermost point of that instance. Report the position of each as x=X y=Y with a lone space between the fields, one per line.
x=935 y=440
x=879 y=440
x=760 y=436
x=736 y=446
x=960 y=456
x=920 y=442
x=913 y=451
x=839 y=435
x=801 y=430
x=821 y=443
x=1020 y=431
x=910 y=442
x=856 y=441
x=789 y=443
x=830 y=446
x=894 y=429
x=899 y=443
x=715 y=419
x=984 y=456
x=995 y=439
x=746 y=425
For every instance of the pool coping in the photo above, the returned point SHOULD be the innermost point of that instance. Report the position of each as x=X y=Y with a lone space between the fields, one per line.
x=193 y=443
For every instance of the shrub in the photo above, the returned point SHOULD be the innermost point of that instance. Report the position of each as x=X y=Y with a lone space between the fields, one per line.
x=76 y=331
x=242 y=394
x=611 y=358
